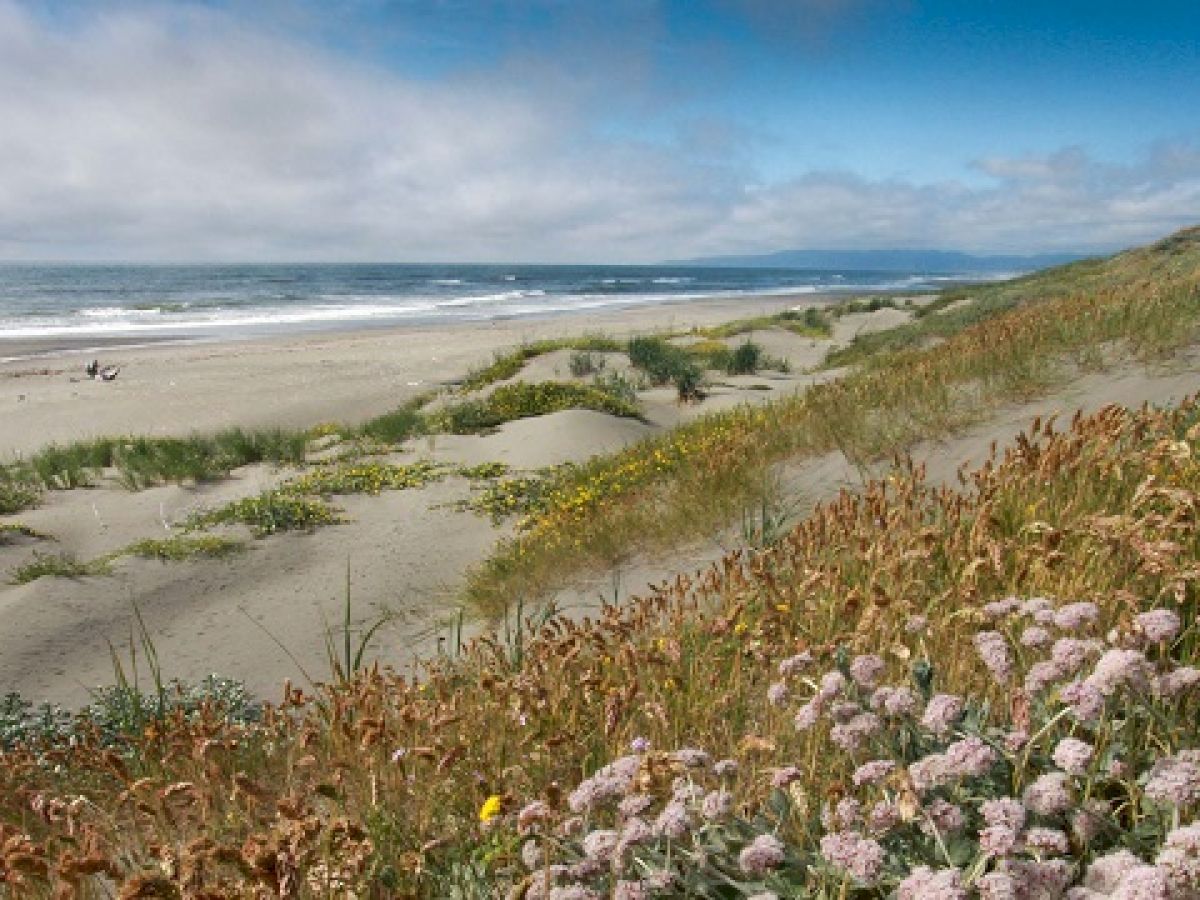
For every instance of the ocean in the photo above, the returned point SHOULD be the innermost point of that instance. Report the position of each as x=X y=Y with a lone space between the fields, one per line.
x=128 y=303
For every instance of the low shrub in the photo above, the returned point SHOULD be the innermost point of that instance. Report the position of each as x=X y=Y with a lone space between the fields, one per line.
x=58 y=565
x=364 y=478
x=181 y=547
x=17 y=493
x=268 y=513
x=745 y=359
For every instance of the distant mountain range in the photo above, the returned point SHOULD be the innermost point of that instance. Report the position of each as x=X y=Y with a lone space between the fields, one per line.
x=884 y=261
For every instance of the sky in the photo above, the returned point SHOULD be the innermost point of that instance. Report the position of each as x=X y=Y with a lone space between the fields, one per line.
x=592 y=130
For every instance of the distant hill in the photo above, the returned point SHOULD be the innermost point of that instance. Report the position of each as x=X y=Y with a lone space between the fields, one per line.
x=884 y=260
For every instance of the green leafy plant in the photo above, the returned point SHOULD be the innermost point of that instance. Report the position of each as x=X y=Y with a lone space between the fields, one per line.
x=58 y=565
x=269 y=513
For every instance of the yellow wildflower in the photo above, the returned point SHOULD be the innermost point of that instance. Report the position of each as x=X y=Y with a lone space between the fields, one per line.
x=490 y=808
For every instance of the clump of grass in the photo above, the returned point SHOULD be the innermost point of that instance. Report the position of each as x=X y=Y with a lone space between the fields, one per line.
x=269 y=513
x=58 y=565
x=397 y=426
x=584 y=363
x=183 y=547
x=142 y=461
x=522 y=400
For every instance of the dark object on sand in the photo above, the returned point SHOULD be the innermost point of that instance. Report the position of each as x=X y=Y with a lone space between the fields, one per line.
x=109 y=373
x=92 y=368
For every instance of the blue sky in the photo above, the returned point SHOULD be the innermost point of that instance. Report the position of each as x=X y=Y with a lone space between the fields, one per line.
x=552 y=130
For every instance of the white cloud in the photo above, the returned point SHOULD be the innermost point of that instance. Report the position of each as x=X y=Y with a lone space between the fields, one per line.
x=146 y=134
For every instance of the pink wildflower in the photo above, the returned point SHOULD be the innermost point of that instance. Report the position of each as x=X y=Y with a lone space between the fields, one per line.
x=916 y=624
x=1074 y=616
x=894 y=701
x=778 y=693
x=942 y=713
x=1035 y=636
x=1073 y=755
x=785 y=776
x=1158 y=625
x=928 y=772
x=1180 y=859
x=970 y=758
x=808 y=715
x=673 y=822
x=998 y=886
x=794 y=665
x=883 y=817
x=725 y=768
x=634 y=804
x=998 y=609
x=531 y=814
x=1087 y=821
x=924 y=883
x=1040 y=676
x=1106 y=872
x=1143 y=883
x=832 y=684
x=1084 y=699
x=1177 y=681
x=691 y=757
x=1046 y=841
x=1048 y=795
x=1118 y=667
x=851 y=735
x=1071 y=654
x=764 y=853
x=599 y=845
x=858 y=856
x=1175 y=780
x=943 y=816
x=716 y=805
x=873 y=772
x=993 y=650
x=866 y=669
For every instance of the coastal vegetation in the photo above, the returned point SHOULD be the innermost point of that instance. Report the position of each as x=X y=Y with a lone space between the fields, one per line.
x=914 y=691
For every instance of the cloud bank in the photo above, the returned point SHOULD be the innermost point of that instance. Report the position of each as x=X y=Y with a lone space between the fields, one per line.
x=148 y=135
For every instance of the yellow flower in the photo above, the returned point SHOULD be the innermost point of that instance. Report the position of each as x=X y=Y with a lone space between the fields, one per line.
x=490 y=808
x=740 y=628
